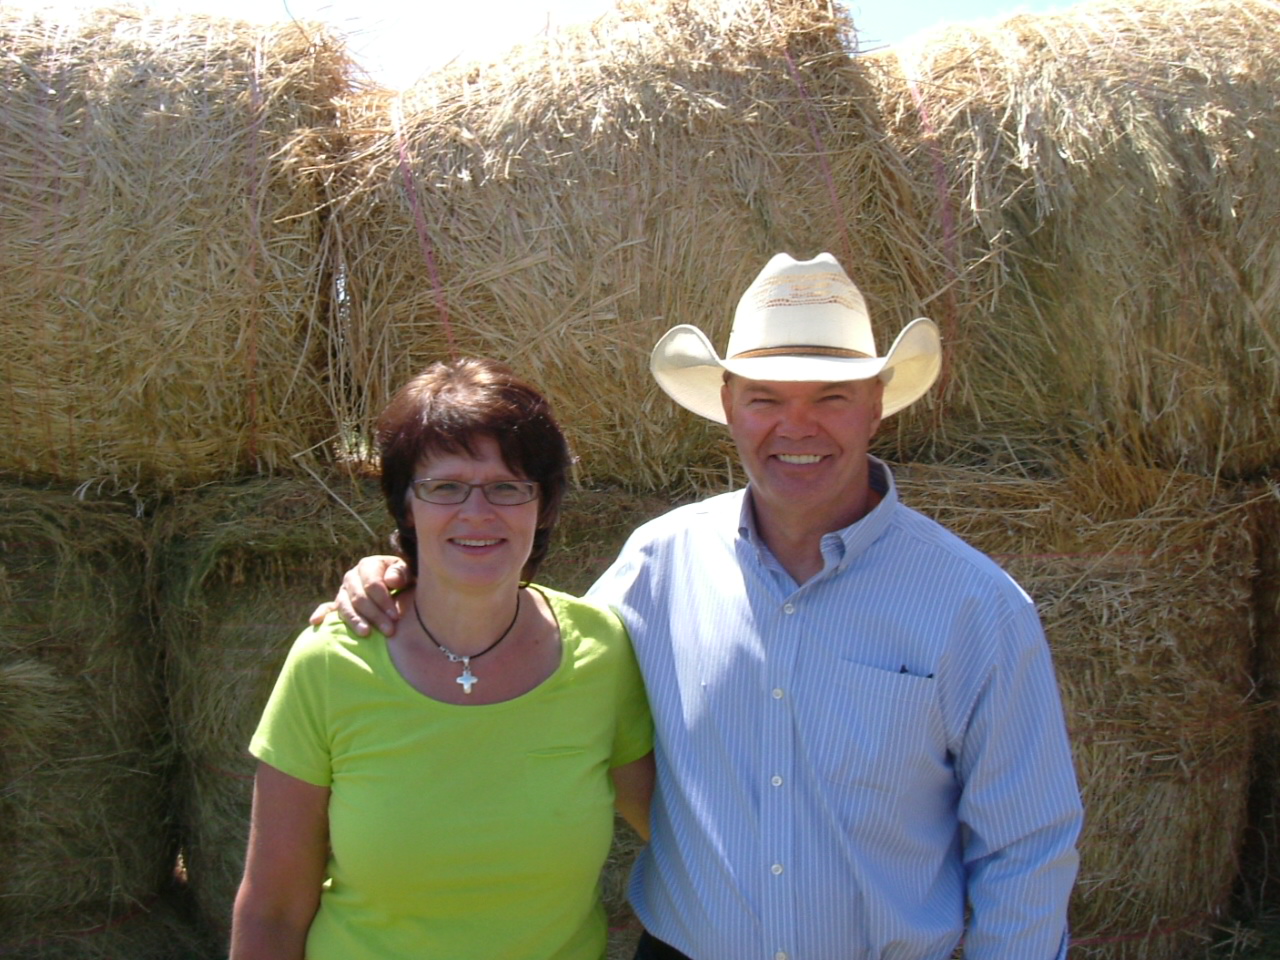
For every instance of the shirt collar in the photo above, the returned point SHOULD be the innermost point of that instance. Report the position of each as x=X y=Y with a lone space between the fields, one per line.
x=839 y=547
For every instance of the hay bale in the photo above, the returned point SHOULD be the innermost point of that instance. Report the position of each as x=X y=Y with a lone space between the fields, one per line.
x=594 y=524
x=83 y=756
x=160 y=240
x=1262 y=847
x=238 y=569
x=1106 y=181
x=1142 y=578
x=564 y=207
x=157 y=930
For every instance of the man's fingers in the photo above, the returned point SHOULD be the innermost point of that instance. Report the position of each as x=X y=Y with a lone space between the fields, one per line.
x=398 y=577
x=351 y=592
x=322 y=611
x=366 y=595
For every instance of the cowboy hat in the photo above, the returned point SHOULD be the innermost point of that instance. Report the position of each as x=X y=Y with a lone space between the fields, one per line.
x=799 y=320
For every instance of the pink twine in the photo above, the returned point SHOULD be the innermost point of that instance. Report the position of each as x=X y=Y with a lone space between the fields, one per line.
x=420 y=223
x=823 y=164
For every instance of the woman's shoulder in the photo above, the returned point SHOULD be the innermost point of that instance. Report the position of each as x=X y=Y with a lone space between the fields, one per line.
x=585 y=621
x=332 y=643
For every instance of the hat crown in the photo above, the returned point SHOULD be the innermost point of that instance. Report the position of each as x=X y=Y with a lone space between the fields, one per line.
x=801 y=303
x=801 y=321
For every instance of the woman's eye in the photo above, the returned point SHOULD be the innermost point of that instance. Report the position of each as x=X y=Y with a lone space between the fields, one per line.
x=447 y=488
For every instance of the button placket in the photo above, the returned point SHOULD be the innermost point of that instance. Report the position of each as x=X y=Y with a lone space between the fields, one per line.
x=783 y=644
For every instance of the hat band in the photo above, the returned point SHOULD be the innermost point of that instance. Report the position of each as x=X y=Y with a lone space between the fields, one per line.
x=801 y=351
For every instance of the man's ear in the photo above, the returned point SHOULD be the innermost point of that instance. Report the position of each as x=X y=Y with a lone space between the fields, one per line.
x=879 y=406
x=726 y=400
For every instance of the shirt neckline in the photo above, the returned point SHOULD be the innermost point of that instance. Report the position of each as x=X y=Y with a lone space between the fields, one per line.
x=388 y=666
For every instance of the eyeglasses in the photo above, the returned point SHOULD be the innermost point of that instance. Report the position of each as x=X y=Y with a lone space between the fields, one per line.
x=501 y=493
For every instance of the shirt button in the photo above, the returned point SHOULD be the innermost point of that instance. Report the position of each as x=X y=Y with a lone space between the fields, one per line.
x=777 y=693
x=776 y=869
x=789 y=608
x=776 y=780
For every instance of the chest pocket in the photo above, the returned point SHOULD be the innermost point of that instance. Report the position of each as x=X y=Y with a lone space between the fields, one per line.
x=878 y=728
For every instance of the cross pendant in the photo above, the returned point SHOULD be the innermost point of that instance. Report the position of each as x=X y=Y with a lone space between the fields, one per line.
x=468 y=679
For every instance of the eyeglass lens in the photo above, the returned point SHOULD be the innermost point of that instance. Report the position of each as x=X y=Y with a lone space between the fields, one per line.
x=502 y=493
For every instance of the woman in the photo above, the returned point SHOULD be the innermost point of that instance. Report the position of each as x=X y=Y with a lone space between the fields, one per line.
x=443 y=793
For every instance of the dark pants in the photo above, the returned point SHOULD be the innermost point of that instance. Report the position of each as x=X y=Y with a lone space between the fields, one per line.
x=651 y=948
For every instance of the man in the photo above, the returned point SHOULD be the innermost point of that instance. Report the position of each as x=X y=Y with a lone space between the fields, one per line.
x=859 y=739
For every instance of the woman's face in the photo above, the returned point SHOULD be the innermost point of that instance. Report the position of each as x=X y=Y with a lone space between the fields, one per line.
x=473 y=545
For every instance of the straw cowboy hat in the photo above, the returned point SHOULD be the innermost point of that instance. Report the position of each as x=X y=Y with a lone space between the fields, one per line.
x=799 y=320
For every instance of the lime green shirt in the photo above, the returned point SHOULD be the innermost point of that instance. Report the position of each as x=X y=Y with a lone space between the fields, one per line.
x=460 y=833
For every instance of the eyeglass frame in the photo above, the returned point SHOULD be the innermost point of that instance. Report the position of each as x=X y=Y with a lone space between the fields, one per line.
x=533 y=485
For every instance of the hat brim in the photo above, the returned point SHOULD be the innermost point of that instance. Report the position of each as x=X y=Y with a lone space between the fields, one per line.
x=687 y=367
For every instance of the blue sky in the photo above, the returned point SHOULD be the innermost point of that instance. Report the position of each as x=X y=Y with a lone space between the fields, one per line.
x=398 y=40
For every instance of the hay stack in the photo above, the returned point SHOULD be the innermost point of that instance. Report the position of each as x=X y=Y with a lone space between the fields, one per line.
x=1142 y=578
x=160 y=243
x=239 y=568
x=83 y=760
x=563 y=208
x=1106 y=182
x=1262 y=847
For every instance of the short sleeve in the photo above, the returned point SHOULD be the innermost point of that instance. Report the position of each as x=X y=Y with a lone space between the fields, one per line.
x=634 y=733
x=292 y=735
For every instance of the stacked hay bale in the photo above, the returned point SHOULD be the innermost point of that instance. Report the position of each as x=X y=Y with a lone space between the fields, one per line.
x=1107 y=183
x=1262 y=846
x=238 y=569
x=563 y=208
x=160 y=239
x=1142 y=579
x=84 y=819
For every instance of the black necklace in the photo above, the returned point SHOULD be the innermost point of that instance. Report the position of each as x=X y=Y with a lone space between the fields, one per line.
x=468 y=679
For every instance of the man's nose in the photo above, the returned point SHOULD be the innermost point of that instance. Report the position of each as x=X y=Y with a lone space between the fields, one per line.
x=796 y=420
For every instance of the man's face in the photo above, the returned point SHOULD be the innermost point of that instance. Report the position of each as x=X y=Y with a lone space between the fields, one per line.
x=804 y=446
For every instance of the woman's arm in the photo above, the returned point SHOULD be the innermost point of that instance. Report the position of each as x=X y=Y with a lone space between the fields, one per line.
x=284 y=868
x=633 y=783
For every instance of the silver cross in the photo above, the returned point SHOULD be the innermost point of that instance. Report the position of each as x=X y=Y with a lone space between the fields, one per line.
x=468 y=679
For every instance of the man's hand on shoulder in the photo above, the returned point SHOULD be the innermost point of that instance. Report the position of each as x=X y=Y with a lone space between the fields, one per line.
x=366 y=596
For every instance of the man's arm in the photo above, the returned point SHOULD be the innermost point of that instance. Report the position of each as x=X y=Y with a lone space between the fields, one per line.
x=633 y=784
x=1020 y=805
x=284 y=868
x=365 y=596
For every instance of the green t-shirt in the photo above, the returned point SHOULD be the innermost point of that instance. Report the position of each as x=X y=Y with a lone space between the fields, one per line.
x=460 y=832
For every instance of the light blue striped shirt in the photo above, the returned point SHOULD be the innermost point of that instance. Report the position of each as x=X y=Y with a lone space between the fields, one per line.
x=843 y=764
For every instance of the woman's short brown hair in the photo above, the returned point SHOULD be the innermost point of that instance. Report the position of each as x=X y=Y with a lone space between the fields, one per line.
x=445 y=410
